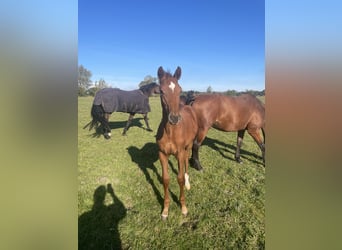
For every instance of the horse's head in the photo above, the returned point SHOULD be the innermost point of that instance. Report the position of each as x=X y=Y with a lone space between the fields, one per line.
x=155 y=88
x=170 y=94
x=149 y=89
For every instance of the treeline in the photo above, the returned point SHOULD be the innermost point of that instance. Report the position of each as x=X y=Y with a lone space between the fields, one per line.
x=86 y=87
x=228 y=92
x=250 y=91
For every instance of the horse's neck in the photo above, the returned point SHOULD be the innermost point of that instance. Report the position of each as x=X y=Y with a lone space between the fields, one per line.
x=145 y=93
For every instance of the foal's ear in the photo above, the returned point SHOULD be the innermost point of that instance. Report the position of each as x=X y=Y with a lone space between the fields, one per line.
x=161 y=72
x=177 y=73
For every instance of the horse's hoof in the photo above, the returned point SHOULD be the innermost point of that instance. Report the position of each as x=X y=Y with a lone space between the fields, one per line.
x=238 y=160
x=164 y=216
x=149 y=130
x=195 y=164
x=199 y=168
x=107 y=137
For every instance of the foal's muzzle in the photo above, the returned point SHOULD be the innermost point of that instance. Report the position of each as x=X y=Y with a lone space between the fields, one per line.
x=174 y=119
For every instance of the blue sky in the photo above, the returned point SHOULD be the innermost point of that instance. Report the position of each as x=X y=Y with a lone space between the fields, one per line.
x=217 y=43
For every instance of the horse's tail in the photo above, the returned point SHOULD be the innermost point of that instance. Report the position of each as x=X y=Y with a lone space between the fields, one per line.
x=97 y=113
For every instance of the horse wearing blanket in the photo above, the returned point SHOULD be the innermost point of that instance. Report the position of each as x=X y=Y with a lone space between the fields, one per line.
x=109 y=100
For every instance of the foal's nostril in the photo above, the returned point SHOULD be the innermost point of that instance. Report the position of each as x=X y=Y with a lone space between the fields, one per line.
x=174 y=119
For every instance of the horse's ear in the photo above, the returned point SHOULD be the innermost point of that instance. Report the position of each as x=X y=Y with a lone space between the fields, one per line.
x=161 y=72
x=177 y=73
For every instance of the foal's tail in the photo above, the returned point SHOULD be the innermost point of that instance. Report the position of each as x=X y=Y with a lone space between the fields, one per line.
x=97 y=113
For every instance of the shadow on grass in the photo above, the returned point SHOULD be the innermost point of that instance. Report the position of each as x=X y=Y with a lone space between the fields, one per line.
x=121 y=124
x=117 y=125
x=145 y=159
x=221 y=147
x=98 y=228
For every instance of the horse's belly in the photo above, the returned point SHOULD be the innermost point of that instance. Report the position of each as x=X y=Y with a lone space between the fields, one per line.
x=228 y=126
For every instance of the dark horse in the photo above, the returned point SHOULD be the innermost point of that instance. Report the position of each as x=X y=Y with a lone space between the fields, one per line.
x=226 y=113
x=175 y=136
x=109 y=100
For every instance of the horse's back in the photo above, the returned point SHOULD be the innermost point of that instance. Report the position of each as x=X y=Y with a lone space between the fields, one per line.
x=229 y=113
x=106 y=97
x=117 y=100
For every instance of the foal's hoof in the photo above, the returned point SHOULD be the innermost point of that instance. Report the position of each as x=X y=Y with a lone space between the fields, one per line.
x=184 y=212
x=164 y=216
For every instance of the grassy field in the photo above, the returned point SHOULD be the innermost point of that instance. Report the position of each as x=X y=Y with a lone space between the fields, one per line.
x=120 y=194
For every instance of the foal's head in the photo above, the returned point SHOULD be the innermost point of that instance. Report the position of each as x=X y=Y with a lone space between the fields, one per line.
x=170 y=94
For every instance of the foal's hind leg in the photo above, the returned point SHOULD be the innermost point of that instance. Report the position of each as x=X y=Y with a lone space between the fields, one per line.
x=146 y=121
x=240 y=135
x=255 y=133
x=130 y=118
x=181 y=158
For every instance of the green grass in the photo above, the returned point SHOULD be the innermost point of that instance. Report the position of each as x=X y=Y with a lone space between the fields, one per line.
x=225 y=202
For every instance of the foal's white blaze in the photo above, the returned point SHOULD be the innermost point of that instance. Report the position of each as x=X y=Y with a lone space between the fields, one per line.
x=187 y=182
x=172 y=86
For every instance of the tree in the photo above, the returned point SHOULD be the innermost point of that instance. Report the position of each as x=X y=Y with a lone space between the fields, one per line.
x=209 y=89
x=231 y=92
x=147 y=80
x=84 y=81
x=101 y=84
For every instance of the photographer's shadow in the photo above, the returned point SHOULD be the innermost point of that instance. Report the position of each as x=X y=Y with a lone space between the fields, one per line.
x=98 y=228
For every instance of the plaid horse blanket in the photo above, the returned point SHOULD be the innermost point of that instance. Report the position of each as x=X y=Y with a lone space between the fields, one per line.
x=117 y=100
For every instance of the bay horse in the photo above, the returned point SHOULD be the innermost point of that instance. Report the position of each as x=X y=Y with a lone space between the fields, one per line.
x=175 y=136
x=109 y=100
x=228 y=113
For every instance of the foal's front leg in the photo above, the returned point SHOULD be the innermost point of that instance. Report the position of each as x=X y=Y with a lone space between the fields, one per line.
x=163 y=158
